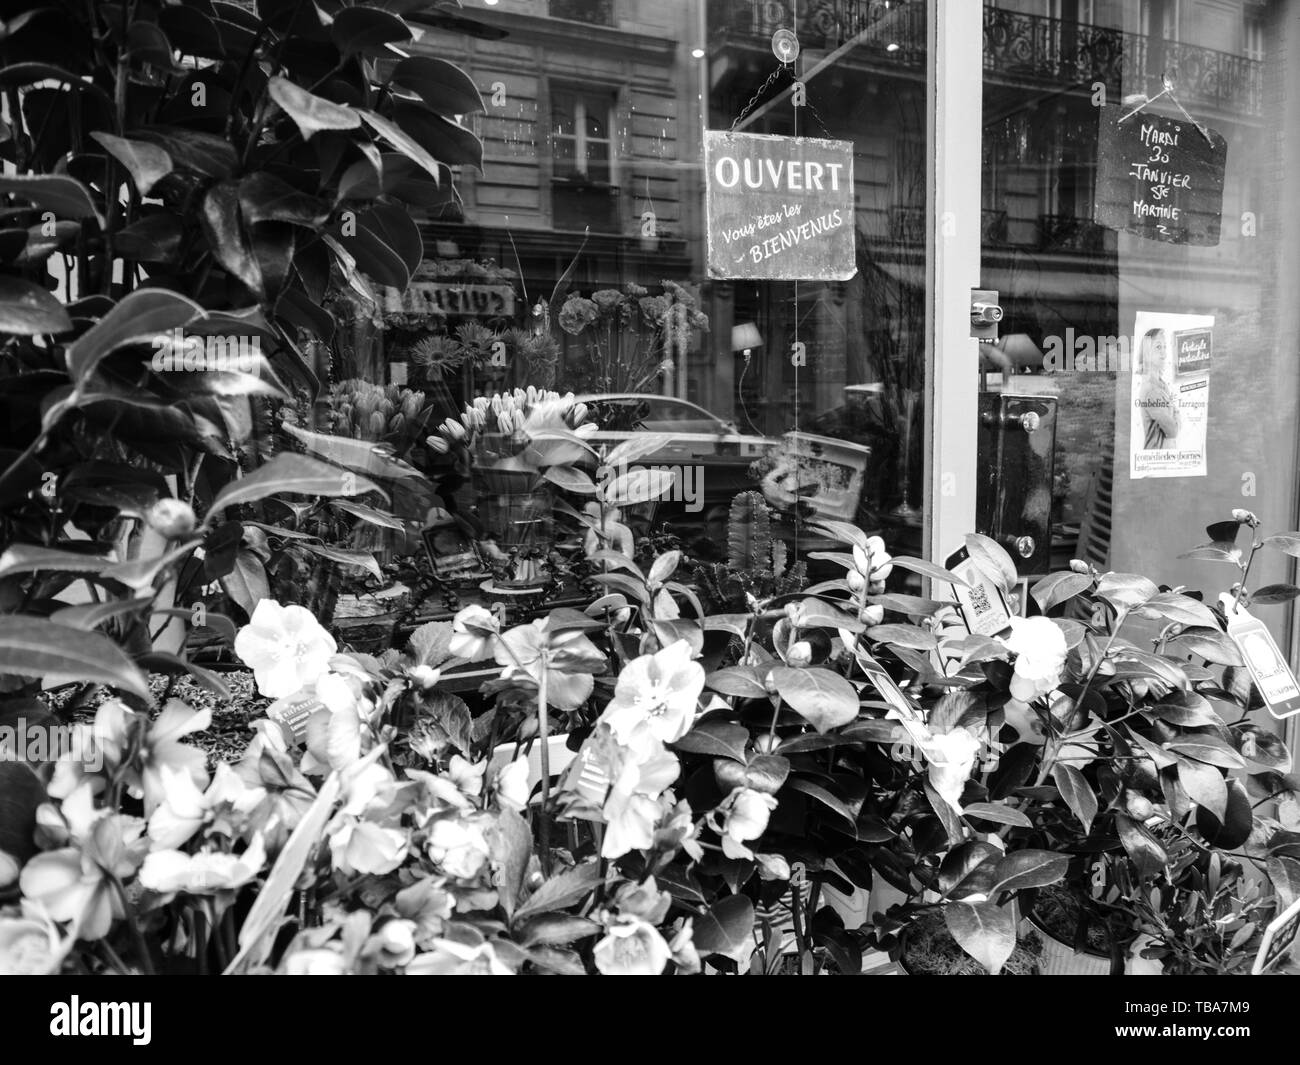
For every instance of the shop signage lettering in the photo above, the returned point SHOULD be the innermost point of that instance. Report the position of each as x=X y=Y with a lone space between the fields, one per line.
x=779 y=208
x=440 y=299
x=1160 y=178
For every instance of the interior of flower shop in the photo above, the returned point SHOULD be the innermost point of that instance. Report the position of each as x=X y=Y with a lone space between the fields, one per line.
x=651 y=486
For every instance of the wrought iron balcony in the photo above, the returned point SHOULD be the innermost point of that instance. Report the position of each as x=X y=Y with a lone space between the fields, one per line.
x=1019 y=46
x=1058 y=232
x=893 y=30
x=597 y=12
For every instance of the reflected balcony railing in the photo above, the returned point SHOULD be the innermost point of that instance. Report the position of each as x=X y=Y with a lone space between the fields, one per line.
x=597 y=12
x=1069 y=233
x=892 y=30
x=1016 y=46
x=1019 y=46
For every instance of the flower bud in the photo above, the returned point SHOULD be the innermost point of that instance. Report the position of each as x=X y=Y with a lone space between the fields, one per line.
x=799 y=653
x=1078 y=565
x=1139 y=807
x=172 y=518
x=437 y=444
x=1245 y=517
x=453 y=429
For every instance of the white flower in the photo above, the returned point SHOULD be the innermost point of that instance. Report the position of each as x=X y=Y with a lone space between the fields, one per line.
x=365 y=847
x=320 y=961
x=181 y=812
x=393 y=945
x=632 y=947
x=205 y=873
x=424 y=677
x=474 y=632
x=511 y=785
x=8 y=869
x=447 y=957
x=28 y=947
x=1039 y=646
x=466 y=775
x=457 y=846
x=285 y=646
x=656 y=697
x=952 y=757
x=747 y=812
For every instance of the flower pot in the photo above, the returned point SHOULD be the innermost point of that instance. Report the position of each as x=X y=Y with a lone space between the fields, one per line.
x=515 y=507
x=929 y=950
x=366 y=622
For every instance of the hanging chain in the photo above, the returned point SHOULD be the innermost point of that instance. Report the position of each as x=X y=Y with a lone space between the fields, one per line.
x=758 y=95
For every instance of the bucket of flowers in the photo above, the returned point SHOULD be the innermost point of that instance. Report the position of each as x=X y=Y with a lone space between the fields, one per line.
x=517 y=446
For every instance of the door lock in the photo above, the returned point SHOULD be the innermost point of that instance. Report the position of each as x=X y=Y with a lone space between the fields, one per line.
x=1028 y=421
x=985 y=314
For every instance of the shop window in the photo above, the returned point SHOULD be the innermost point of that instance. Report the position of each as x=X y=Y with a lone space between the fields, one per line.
x=582 y=160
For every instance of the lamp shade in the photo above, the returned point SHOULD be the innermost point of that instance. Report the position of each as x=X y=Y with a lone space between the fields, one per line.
x=745 y=336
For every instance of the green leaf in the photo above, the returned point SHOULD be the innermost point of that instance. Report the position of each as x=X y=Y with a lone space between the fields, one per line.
x=146 y=163
x=1077 y=793
x=32 y=558
x=1275 y=593
x=227 y=238
x=1188 y=709
x=363 y=560
x=561 y=891
x=298 y=474
x=65 y=196
x=844 y=532
x=723 y=739
x=992 y=560
x=1235 y=827
x=984 y=931
x=822 y=698
x=640 y=485
x=34 y=647
x=1288 y=542
x=744 y=682
x=510 y=842
x=947 y=815
x=443 y=86
x=1029 y=869
x=816 y=791
x=1209 y=749
x=997 y=812
x=1147 y=853
x=27 y=309
x=366 y=29
x=139 y=317
x=1214 y=553
x=1210 y=644
x=310 y=113
x=1179 y=608
x=246 y=583
x=89 y=616
x=1057 y=588
x=403 y=142
x=368 y=514
x=263 y=197
x=570 y=478
x=1205 y=785
x=928 y=569
x=551 y=929
x=1126 y=590
x=904 y=636
x=726 y=929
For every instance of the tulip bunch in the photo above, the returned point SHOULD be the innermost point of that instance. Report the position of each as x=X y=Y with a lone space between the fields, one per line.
x=506 y=424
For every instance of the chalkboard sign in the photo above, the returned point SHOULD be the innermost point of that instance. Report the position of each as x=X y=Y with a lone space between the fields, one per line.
x=779 y=208
x=1159 y=178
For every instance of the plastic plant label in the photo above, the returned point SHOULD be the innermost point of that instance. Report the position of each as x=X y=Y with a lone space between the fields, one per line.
x=1278 y=937
x=982 y=606
x=291 y=714
x=1266 y=664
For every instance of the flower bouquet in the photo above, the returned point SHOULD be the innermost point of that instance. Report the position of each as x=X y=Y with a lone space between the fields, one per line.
x=516 y=445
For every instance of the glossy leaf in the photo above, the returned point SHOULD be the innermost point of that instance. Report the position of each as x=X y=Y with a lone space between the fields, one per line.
x=298 y=474
x=65 y=196
x=443 y=86
x=727 y=929
x=34 y=647
x=983 y=930
x=1029 y=868
x=821 y=697
x=27 y=309
x=1057 y=588
x=310 y=113
x=146 y=163
x=1078 y=794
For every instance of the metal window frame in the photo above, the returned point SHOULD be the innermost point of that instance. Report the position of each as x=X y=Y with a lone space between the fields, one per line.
x=954 y=136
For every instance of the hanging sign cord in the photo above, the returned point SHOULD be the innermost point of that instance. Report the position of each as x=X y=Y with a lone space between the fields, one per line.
x=758 y=95
x=1168 y=90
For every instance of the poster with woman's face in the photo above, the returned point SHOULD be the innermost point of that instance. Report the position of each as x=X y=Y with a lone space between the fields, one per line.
x=1170 y=394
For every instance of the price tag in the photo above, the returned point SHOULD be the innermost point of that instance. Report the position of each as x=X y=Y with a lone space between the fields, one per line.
x=291 y=714
x=1266 y=664
x=1278 y=937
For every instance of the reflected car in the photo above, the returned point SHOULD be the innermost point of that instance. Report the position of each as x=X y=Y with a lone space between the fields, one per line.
x=708 y=454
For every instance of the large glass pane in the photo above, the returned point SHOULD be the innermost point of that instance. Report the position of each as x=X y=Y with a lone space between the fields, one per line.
x=1149 y=321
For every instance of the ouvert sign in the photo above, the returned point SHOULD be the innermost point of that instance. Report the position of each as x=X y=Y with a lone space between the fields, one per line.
x=779 y=208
